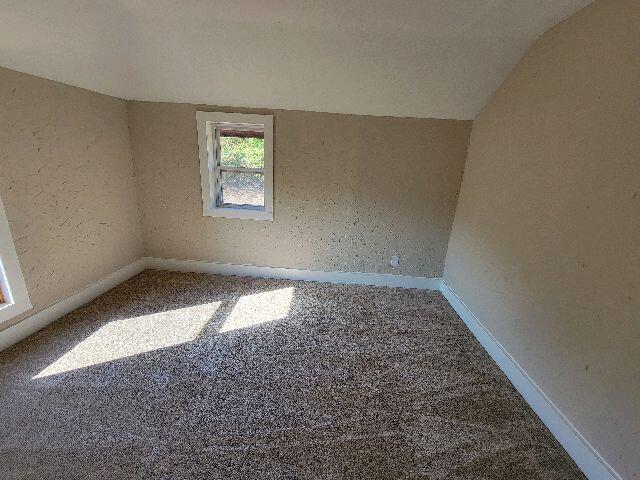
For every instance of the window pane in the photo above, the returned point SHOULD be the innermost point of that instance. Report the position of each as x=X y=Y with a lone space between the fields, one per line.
x=241 y=151
x=243 y=188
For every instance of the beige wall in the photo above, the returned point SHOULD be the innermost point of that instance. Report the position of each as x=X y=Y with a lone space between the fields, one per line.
x=350 y=191
x=545 y=247
x=67 y=185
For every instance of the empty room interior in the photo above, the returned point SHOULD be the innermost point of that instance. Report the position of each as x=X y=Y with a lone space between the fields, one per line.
x=320 y=239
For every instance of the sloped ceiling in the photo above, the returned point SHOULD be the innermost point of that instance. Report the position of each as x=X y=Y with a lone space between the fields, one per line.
x=419 y=58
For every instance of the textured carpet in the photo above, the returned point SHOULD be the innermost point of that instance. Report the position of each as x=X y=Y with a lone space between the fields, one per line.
x=190 y=376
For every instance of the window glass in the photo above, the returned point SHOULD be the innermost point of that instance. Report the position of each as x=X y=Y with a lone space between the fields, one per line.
x=243 y=188
x=245 y=152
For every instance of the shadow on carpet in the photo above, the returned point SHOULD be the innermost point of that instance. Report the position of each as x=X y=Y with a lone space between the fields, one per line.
x=195 y=376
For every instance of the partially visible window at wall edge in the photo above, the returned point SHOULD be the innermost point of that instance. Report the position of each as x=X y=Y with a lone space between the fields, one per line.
x=15 y=297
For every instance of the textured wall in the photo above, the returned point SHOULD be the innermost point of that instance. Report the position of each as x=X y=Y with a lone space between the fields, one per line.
x=545 y=247
x=67 y=185
x=350 y=191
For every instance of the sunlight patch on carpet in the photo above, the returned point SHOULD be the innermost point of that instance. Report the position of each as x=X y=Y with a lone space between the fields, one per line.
x=132 y=336
x=259 y=308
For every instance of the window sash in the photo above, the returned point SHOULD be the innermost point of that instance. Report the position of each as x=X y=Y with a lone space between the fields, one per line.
x=220 y=199
x=240 y=169
x=218 y=169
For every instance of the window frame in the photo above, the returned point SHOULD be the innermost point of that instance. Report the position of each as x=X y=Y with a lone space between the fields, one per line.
x=14 y=290
x=211 y=171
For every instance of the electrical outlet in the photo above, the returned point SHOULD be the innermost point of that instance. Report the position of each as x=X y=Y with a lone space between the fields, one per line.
x=395 y=261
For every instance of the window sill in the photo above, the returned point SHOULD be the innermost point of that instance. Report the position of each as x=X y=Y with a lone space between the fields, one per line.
x=241 y=213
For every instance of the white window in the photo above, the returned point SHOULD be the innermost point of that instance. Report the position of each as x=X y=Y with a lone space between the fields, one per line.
x=14 y=298
x=236 y=164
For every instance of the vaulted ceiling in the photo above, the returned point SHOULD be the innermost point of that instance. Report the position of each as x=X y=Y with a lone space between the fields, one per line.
x=420 y=58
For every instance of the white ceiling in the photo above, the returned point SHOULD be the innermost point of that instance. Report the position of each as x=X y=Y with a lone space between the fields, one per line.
x=419 y=58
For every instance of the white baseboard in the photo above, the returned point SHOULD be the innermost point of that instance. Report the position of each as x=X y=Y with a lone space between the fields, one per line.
x=44 y=317
x=377 y=279
x=586 y=457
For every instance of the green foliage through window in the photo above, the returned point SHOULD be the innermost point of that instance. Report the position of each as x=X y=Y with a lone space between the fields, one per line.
x=242 y=152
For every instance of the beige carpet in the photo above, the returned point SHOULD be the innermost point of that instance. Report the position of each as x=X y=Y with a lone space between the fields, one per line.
x=190 y=376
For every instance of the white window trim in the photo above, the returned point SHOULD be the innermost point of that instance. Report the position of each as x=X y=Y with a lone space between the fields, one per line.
x=205 y=121
x=14 y=290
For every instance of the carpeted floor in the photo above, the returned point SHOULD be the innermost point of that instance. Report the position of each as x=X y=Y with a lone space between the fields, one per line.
x=190 y=376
